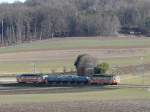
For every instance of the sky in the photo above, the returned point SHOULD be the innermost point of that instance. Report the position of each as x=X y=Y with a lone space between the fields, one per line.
x=10 y=1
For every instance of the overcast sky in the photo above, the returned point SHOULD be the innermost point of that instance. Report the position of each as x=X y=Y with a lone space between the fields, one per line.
x=10 y=1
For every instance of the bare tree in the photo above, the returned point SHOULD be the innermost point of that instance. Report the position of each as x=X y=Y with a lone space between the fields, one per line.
x=42 y=19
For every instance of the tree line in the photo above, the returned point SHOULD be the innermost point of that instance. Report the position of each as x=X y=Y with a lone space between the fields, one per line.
x=43 y=19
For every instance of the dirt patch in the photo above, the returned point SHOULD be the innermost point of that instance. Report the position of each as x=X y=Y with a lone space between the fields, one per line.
x=82 y=106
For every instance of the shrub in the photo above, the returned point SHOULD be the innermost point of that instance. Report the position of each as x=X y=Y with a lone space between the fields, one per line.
x=101 y=68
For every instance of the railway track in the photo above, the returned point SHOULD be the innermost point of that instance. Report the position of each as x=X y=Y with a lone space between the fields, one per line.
x=132 y=86
x=12 y=89
x=8 y=85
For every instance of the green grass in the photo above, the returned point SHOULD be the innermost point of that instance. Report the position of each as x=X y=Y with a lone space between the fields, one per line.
x=28 y=67
x=75 y=43
x=141 y=79
x=115 y=94
x=125 y=61
x=13 y=67
x=58 y=65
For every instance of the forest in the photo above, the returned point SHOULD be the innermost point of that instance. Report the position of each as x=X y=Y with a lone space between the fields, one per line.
x=44 y=19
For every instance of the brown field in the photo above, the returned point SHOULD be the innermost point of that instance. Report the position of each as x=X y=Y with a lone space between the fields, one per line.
x=81 y=106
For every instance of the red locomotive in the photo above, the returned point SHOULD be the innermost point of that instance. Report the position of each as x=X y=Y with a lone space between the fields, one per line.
x=31 y=78
x=105 y=80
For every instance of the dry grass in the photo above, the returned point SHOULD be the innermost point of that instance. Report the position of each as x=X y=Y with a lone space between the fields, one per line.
x=78 y=94
x=82 y=106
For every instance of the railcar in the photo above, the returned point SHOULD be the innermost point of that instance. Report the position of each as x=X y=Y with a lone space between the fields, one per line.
x=67 y=79
x=105 y=80
x=31 y=78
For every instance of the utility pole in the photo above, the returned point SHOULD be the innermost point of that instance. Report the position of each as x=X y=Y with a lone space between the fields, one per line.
x=2 y=31
x=34 y=68
x=142 y=68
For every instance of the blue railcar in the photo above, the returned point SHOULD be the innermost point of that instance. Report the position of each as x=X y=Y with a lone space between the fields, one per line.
x=67 y=79
x=52 y=79
x=81 y=79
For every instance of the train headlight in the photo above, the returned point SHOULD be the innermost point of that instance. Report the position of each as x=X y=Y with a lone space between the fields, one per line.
x=117 y=78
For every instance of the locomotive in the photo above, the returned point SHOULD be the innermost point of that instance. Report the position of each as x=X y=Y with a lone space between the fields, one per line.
x=69 y=79
x=105 y=79
x=31 y=78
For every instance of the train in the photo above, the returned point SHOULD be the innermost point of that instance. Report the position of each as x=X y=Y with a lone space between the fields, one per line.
x=68 y=79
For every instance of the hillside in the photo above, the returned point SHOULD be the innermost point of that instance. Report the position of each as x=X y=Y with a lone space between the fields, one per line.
x=54 y=54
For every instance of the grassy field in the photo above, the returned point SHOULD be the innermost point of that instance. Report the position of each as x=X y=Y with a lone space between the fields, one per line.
x=87 y=95
x=76 y=43
x=141 y=79
x=58 y=65
x=81 y=106
x=19 y=59
x=45 y=67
